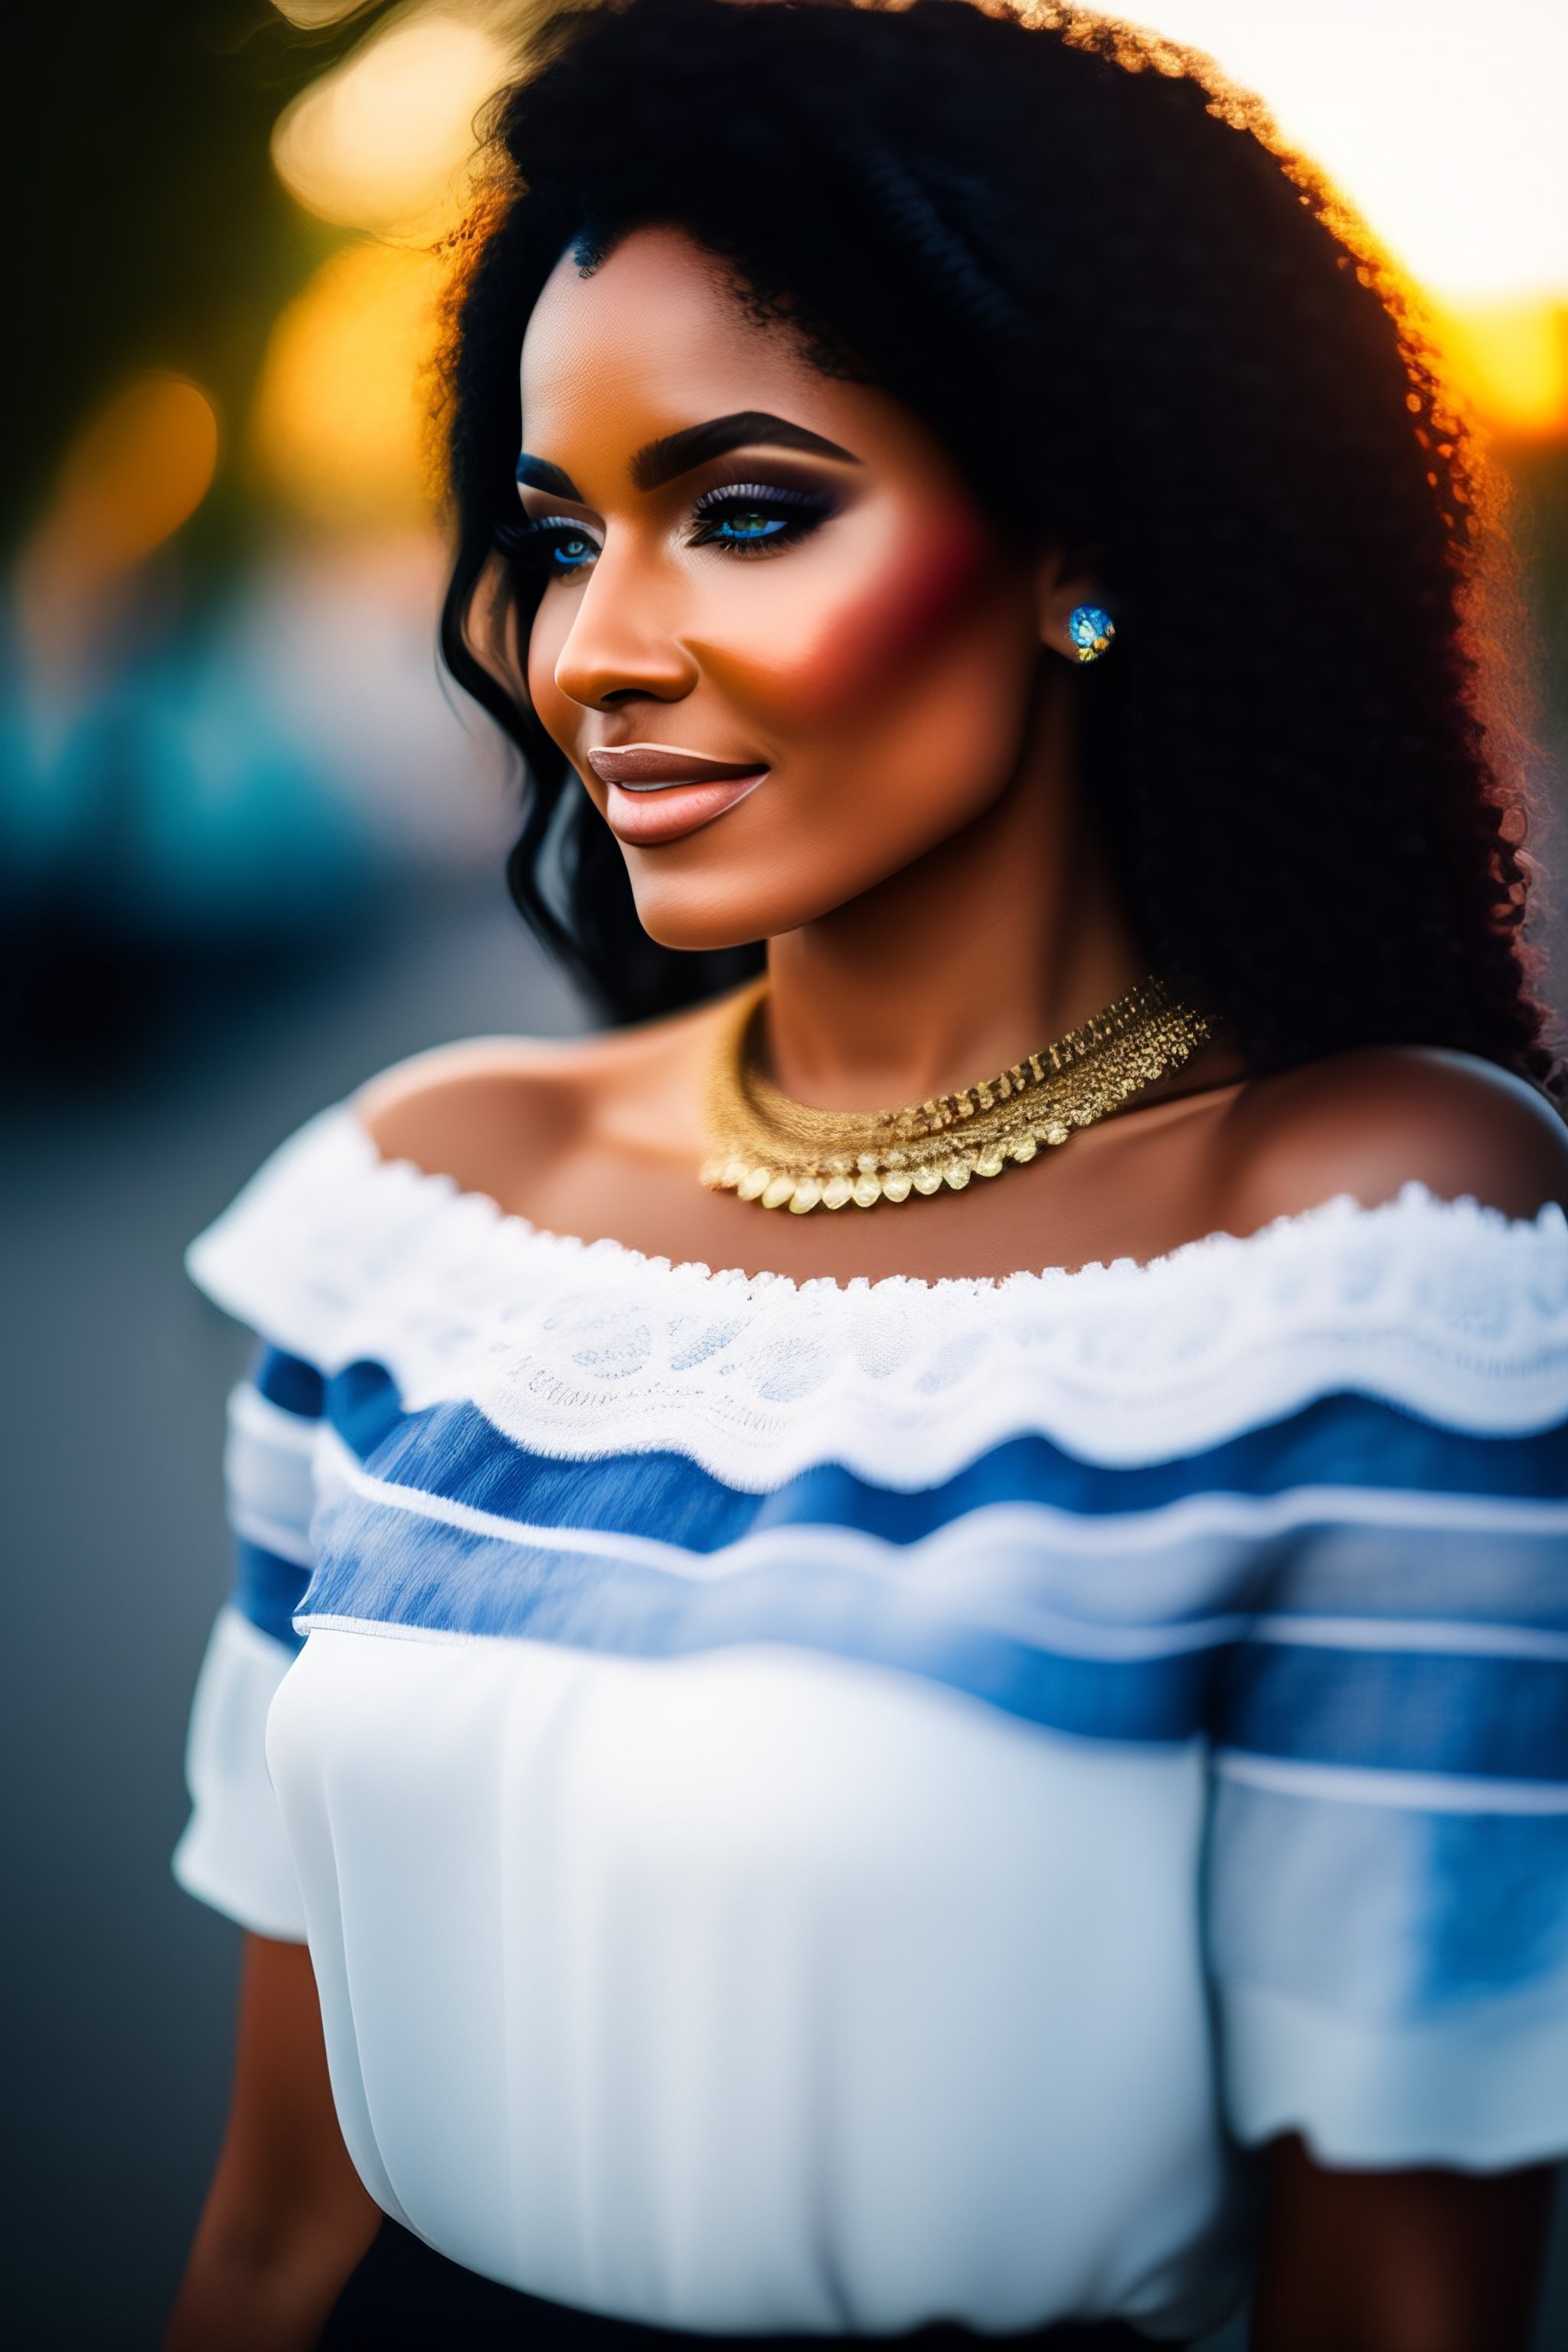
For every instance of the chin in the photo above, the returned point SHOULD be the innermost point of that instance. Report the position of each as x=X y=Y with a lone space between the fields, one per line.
x=697 y=928
x=695 y=913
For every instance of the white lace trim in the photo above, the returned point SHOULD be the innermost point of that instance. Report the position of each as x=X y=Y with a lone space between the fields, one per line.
x=1453 y=1311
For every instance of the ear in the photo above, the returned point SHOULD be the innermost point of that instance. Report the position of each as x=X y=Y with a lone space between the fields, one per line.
x=1062 y=590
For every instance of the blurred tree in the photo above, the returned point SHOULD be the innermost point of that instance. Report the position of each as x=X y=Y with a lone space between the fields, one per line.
x=148 y=227
x=151 y=242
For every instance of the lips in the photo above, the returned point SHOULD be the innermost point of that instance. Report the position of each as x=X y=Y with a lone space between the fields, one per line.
x=654 y=767
x=659 y=792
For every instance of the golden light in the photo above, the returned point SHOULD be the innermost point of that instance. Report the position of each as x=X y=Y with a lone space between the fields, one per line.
x=340 y=426
x=384 y=141
x=1510 y=359
x=1444 y=126
x=138 y=469
x=1457 y=164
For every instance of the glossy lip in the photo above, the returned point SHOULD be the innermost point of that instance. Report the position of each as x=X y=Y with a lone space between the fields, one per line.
x=661 y=791
x=649 y=813
x=656 y=767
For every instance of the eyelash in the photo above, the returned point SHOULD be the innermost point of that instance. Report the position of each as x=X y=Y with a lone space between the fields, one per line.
x=797 y=513
x=794 y=514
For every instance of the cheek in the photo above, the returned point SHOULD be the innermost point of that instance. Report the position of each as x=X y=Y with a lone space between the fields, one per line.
x=849 y=638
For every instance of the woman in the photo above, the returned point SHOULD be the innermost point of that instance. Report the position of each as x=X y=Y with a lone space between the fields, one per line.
x=820 y=1808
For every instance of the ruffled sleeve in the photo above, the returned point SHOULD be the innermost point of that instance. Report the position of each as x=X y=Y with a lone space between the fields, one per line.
x=1388 y=1873
x=234 y=1854
x=321 y=1229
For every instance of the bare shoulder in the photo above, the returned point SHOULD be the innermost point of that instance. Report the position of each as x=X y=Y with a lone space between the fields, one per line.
x=1365 y=1123
x=478 y=1110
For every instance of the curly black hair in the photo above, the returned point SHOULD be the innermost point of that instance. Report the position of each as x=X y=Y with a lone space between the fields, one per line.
x=1147 y=334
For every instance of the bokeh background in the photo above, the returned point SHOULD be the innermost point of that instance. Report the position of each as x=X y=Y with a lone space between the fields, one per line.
x=250 y=846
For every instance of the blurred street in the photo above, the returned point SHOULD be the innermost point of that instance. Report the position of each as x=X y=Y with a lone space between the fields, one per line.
x=121 y=1989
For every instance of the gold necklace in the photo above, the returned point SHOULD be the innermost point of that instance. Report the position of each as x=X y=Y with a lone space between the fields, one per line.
x=768 y=1148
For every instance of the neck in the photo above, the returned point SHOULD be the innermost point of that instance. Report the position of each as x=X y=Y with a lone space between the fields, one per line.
x=1001 y=939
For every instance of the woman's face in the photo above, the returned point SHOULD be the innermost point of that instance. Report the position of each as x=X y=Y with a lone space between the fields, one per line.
x=777 y=640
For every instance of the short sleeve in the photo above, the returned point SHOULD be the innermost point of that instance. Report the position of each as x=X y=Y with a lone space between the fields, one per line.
x=234 y=1854
x=319 y=1227
x=1388 y=1857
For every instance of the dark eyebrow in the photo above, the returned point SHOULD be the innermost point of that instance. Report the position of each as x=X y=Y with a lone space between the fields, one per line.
x=533 y=474
x=676 y=453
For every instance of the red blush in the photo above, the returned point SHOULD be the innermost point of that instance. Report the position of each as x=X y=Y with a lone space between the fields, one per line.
x=869 y=642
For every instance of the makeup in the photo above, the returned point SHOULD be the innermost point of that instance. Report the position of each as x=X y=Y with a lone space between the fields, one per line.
x=841 y=613
x=661 y=791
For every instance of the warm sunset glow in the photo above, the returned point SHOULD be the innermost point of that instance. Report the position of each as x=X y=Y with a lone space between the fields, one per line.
x=340 y=426
x=1442 y=123
x=383 y=141
x=1444 y=127
x=138 y=469
x=1456 y=160
x=1510 y=359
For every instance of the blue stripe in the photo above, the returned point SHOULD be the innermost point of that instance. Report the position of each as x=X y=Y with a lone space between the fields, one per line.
x=384 y=1566
x=1404 y=1711
x=1496 y=1913
x=1399 y=1711
x=288 y=1382
x=454 y=1451
x=1409 y=1711
x=1380 y=1913
x=269 y=1590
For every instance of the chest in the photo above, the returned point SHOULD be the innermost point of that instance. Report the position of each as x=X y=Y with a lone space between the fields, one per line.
x=1132 y=1188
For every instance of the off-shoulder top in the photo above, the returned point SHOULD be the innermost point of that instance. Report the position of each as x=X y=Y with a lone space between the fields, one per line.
x=819 y=1807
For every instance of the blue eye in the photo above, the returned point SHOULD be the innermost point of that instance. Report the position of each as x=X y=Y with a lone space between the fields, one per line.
x=565 y=546
x=740 y=519
x=552 y=543
x=751 y=523
x=745 y=518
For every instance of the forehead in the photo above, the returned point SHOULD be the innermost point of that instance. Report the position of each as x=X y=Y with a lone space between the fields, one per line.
x=657 y=336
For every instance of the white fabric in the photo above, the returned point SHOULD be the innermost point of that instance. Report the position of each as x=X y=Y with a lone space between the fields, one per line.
x=269 y=1473
x=761 y=1988
x=1492 y=2081
x=1449 y=1309
x=757 y=1991
x=234 y=1854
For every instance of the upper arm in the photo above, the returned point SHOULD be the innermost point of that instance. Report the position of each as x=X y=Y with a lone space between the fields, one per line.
x=286 y=2219
x=1422 y=2261
x=283 y=2153
x=1368 y=1123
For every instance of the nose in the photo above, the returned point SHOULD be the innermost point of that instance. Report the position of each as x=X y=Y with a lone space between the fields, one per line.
x=623 y=642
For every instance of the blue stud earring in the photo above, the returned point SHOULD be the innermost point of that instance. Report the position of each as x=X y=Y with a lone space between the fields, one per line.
x=1091 y=628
